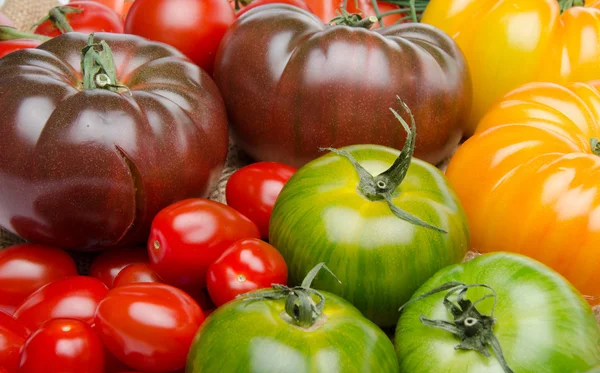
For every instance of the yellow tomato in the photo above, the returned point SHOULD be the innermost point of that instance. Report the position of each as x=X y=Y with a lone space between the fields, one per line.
x=529 y=179
x=508 y=43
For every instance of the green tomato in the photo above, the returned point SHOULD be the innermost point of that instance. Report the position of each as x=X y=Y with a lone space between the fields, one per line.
x=259 y=334
x=541 y=323
x=334 y=210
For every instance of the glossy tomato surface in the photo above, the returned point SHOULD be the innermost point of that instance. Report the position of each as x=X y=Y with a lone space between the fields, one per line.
x=63 y=346
x=72 y=297
x=527 y=179
x=10 y=46
x=248 y=265
x=380 y=259
x=150 y=327
x=297 y=3
x=195 y=27
x=136 y=273
x=93 y=17
x=12 y=337
x=27 y=267
x=119 y=6
x=332 y=86
x=107 y=265
x=542 y=323
x=123 y=155
x=188 y=236
x=253 y=190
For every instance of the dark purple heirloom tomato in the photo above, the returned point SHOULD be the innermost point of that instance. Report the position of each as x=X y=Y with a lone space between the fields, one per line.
x=88 y=158
x=293 y=85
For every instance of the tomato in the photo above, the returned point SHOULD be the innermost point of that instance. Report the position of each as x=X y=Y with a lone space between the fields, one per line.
x=91 y=17
x=148 y=326
x=195 y=27
x=10 y=46
x=5 y=21
x=247 y=265
x=188 y=236
x=12 y=40
x=508 y=43
x=307 y=101
x=537 y=136
x=382 y=222
x=124 y=153
x=321 y=332
x=116 y=5
x=297 y=3
x=63 y=346
x=107 y=265
x=73 y=297
x=27 y=267
x=252 y=190
x=540 y=321
x=135 y=273
x=12 y=337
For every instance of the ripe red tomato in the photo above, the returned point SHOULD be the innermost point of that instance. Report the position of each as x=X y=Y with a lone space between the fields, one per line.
x=247 y=265
x=136 y=273
x=5 y=21
x=188 y=236
x=12 y=336
x=107 y=265
x=148 y=326
x=252 y=190
x=63 y=346
x=195 y=27
x=116 y=5
x=10 y=46
x=95 y=17
x=26 y=268
x=73 y=297
x=298 y=3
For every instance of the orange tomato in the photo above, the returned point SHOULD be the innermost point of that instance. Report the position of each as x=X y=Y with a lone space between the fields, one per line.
x=508 y=43
x=529 y=179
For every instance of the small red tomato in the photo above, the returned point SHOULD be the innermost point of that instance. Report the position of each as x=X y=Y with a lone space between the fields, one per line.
x=107 y=265
x=5 y=21
x=12 y=336
x=63 y=346
x=135 y=273
x=92 y=17
x=195 y=27
x=10 y=46
x=26 y=268
x=116 y=5
x=297 y=3
x=188 y=236
x=247 y=265
x=73 y=297
x=148 y=326
x=253 y=190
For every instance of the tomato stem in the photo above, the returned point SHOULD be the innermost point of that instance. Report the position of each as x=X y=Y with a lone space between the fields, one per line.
x=300 y=306
x=10 y=33
x=353 y=20
x=567 y=4
x=58 y=17
x=98 y=67
x=414 y=8
x=475 y=330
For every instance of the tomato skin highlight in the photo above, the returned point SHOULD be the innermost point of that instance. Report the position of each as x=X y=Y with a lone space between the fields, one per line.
x=253 y=190
x=136 y=273
x=12 y=337
x=107 y=265
x=73 y=297
x=542 y=322
x=95 y=17
x=247 y=265
x=63 y=346
x=188 y=236
x=27 y=267
x=148 y=326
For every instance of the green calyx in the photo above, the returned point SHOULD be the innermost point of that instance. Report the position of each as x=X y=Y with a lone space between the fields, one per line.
x=382 y=186
x=567 y=4
x=98 y=67
x=58 y=17
x=595 y=146
x=412 y=8
x=353 y=20
x=300 y=306
x=475 y=330
x=10 y=33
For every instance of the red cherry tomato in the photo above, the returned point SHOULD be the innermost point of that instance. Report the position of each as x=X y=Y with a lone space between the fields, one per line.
x=10 y=46
x=195 y=27
x=63 y=346
x=135 y=273
x=252 y=190
x=95 y=17
x=116 y=5
x=148 y=326
x=188 y=236
x=72 y=297
x=26 y=268
x=12 y=336
x=298 y=3
x=247 y=265
x=5 y=21
x=107 y=265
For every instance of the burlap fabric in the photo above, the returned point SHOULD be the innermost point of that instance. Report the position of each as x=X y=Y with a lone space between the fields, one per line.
x=25 y=13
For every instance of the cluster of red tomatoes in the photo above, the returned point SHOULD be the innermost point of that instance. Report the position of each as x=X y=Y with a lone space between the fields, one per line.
x=140 y=309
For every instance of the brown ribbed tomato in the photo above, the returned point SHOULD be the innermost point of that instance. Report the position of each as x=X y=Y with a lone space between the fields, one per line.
x=292 y=85
x=88 y=168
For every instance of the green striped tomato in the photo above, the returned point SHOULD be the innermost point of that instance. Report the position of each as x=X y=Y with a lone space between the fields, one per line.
x=542 y=324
